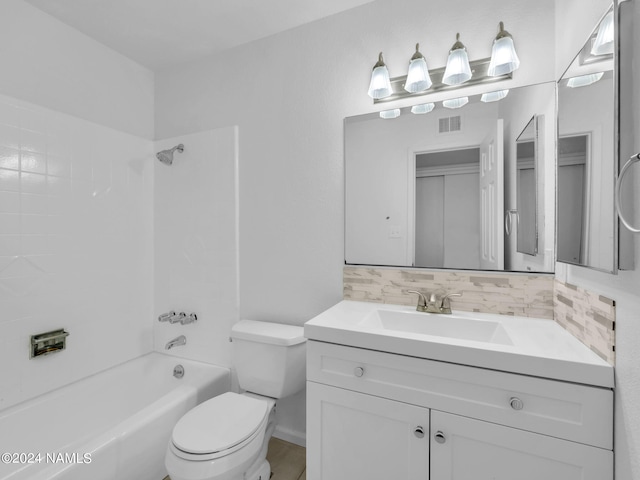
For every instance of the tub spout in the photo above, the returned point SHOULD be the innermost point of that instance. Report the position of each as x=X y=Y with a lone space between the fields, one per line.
x=176 y=342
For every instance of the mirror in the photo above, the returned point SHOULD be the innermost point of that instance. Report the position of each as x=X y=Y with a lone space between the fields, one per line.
x=526 y=187
x=586 y=221
x=432 y=190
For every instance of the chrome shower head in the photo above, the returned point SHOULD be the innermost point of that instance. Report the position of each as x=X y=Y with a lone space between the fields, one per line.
x=166 y=156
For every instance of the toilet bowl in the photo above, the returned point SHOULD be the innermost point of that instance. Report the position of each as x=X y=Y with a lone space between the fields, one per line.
x=227 y=451
x=226 y=437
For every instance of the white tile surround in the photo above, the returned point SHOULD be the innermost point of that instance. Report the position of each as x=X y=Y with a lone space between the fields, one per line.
x=196 y=254
x=75 y=246
x=82 y=236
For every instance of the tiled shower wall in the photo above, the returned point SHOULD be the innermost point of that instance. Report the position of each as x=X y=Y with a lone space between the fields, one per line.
x=586 y=315
x=196 y=252
x=75 y=246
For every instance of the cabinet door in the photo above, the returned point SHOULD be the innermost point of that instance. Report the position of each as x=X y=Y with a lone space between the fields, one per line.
x=467 y=449
x=352 y=436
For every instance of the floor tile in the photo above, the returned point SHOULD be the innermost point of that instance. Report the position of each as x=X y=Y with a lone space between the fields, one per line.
x=288 y=461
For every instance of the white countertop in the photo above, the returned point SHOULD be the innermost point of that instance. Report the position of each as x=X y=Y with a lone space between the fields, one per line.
x=538 y=347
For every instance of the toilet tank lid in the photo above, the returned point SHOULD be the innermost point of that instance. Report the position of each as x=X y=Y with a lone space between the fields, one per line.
x=267 y=332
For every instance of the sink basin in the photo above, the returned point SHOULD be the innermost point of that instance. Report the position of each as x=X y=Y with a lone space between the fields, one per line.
x=449 y=326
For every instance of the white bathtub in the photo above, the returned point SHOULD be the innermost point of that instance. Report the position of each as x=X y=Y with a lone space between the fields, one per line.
x=114 y=425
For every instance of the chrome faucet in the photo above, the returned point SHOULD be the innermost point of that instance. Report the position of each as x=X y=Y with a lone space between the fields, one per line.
x=434 y=304
x=176 y=342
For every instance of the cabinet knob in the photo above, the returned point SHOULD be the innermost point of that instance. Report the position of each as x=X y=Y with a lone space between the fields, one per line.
x=419 y=432
x=516 y=403
x=439 y=437
x=358 y=371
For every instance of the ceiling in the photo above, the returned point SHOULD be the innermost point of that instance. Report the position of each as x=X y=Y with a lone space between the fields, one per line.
x=162 y=33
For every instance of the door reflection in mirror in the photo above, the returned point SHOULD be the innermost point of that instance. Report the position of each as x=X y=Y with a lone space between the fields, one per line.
x=447 y=209
x=526 y=187
x=572 y=217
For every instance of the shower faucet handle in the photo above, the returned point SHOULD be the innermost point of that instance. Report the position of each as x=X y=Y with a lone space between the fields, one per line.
x=165 y=317
x=190 y=319
x=178 y=318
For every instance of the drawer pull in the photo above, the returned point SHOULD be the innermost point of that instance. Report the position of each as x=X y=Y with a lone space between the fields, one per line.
x=439 y=437
x=516 y=403
x=419 y=432
x=358 y=371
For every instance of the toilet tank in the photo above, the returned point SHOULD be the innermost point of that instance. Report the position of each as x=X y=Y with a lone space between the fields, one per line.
x=270 y=358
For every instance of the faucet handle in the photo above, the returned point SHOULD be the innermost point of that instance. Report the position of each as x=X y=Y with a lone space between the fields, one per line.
x=445 y=304
x=165 y=317
x=422 y=301
x=178 y=318
x=190 y=319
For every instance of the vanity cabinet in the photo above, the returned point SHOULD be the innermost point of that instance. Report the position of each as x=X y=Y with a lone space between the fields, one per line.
x=366 y=437
x=378 y=415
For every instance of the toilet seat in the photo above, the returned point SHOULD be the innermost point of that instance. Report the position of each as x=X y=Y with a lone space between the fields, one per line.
x=219 y=427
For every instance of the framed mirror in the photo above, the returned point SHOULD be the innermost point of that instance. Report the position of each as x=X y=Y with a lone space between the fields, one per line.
x=432 y=190
x=587 y=154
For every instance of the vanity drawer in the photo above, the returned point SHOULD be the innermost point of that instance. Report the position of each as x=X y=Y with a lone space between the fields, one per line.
x=560 y=409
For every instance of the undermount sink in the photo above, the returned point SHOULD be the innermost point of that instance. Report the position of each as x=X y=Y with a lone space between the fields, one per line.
x=449 y=326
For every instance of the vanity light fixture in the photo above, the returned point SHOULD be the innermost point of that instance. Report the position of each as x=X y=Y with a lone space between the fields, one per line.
x=455 y=102
x=494 y=96
x=423 y=108
x=418 y=79
x=388 y=114
x=584 y=80
x=458 y=69
x=603 y=44
x=380 y=86
x=504 y=58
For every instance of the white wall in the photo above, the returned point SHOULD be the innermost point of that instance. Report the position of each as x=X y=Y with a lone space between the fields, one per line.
x=289 y=94
x=196 y=252
x=53 y=65
x=75 y=246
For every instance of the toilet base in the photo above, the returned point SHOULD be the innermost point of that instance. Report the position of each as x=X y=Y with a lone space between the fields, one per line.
x=260 y=471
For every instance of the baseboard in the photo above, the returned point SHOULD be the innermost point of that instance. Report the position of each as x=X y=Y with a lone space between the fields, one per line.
x=290 y=436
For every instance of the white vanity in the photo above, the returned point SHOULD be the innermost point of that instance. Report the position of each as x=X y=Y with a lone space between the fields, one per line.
x=397 y=394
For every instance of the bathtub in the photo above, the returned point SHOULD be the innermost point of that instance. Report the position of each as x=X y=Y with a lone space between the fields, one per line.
x=114 y=425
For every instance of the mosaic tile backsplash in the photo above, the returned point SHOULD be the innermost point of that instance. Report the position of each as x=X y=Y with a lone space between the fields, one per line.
x=523 y=295
x=588 y=316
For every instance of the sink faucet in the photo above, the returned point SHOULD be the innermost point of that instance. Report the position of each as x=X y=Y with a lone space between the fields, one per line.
x=181 y=340
x=434 y=304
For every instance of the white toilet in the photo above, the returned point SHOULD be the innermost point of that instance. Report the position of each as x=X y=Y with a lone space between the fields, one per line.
x=226 y=437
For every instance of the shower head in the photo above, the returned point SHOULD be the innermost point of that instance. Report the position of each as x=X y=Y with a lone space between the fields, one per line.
x=166 y=156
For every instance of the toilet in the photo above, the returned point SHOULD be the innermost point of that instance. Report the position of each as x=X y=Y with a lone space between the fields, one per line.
x=226 y=437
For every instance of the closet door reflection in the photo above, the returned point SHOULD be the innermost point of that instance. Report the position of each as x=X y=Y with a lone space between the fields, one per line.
x=447 y=214
x=572 y=210
x=430 y=222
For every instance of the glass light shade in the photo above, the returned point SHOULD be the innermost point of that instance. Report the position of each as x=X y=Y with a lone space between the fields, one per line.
x=584 y=80
x=455 y=102
x=494 y=96
x=504 y=58
x=387 y=114
x=603 y=43
x=380 y=86
x=424 y=108
x=458 y=70
x=418 y=79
